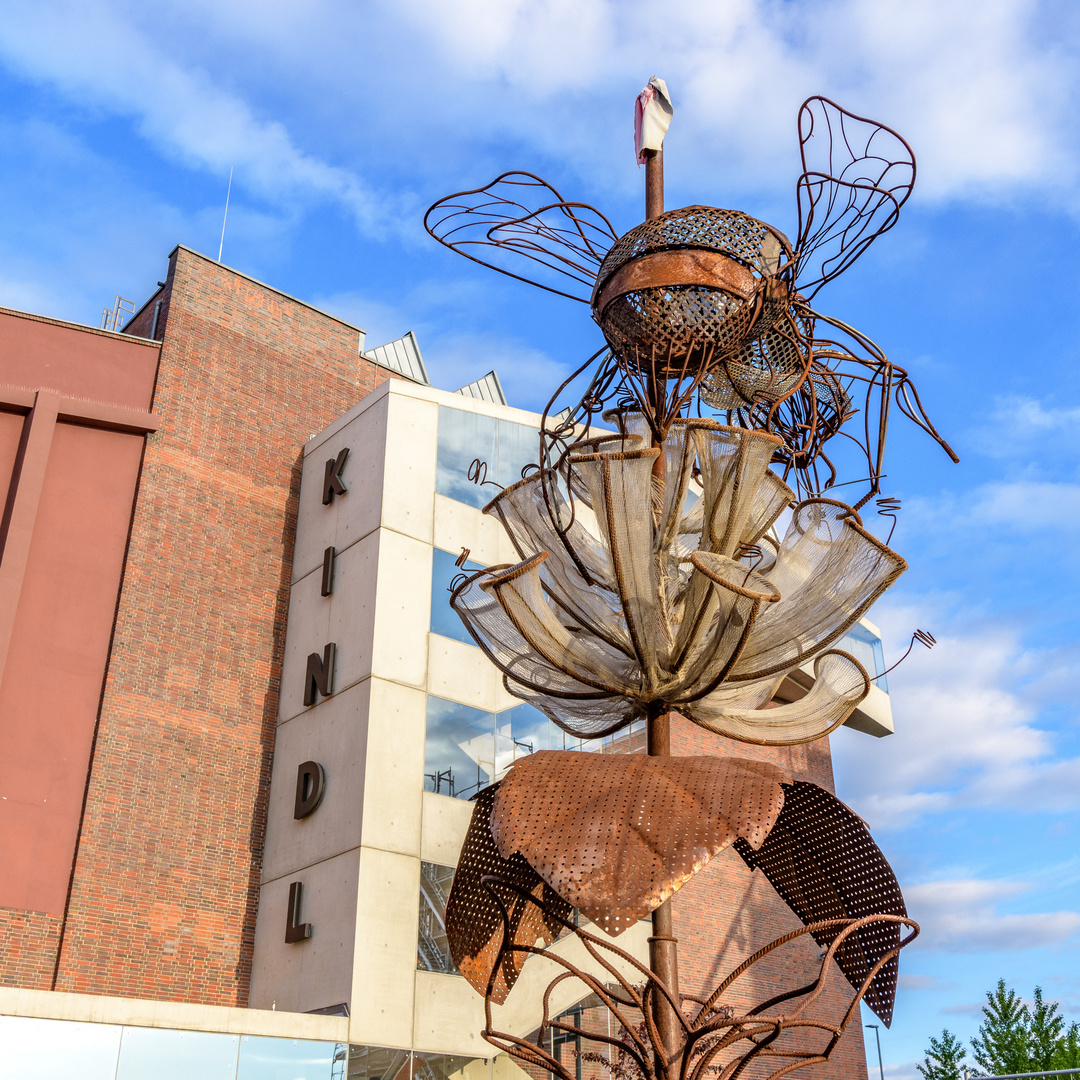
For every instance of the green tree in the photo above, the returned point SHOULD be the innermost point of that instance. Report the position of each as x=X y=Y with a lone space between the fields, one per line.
x=1002 y=1045
x=1046 y=1028
x=943 y=1058
x=1067 y=1055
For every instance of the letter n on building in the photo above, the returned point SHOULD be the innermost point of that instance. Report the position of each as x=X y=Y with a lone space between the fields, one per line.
x=319 y=677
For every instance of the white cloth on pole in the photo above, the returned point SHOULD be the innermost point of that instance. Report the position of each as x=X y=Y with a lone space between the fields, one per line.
x=652 y=117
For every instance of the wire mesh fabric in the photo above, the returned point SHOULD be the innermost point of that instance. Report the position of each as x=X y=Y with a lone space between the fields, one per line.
x=631 y=595
x=694 y=277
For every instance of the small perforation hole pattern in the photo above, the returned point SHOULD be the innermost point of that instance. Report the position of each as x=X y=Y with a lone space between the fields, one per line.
x=822 y=860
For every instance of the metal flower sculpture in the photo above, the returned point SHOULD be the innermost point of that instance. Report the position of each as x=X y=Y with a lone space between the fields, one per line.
x=714 y=304
x=666 y=569
x=663 y=606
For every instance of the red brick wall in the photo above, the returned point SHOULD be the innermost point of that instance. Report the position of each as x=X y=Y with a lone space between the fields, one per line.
x=29 y=941
x=162 y=903
x=727 y=912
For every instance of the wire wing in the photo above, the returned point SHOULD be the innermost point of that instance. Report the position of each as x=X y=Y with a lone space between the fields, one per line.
x=520 y=223
x=856 y=175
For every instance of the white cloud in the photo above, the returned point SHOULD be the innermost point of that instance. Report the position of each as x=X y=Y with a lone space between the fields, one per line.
x=911 y=981
x=97 y=57
x=1027 y=505
x=997 y=511
x=977 y=89
x=1030 y=415
x=984 y=93
x=962 y=916
x=966 y=729
x=1032 y=426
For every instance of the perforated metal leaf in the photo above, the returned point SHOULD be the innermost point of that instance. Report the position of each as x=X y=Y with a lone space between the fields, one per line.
x=616 y=835
x=822 y=860
x=474 y=922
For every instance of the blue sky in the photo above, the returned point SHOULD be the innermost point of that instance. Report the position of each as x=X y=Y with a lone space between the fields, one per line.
x=120 y=123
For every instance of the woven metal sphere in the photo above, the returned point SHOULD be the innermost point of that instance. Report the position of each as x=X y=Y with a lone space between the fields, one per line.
x=767 y=368
x=695 y=284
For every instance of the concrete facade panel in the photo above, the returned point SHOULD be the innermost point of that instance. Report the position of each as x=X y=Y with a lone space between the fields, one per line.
x=385 y=959
x=402 y=609
x=346 y=618
x=409 y=488
x=446 y=822
x=354 y=515
x=458 y=525
x=313 y=974
x=393 y=783
x=462 y=673
x=334 y=734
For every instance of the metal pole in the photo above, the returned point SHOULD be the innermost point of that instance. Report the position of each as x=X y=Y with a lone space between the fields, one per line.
x=877 y=1035
x=654 y=183
x=221 y=246
x=663 y=954
x=663 y=946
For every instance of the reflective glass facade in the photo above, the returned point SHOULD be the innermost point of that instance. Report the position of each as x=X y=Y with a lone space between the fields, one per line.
x=504 y=447
x=444 y=570
x=432 y=947
x=36 y=1049
x=33 y=1049
x=865 y=646
x=466 y=749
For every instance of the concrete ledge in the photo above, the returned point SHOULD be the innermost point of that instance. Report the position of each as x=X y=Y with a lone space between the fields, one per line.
x=174 y=1015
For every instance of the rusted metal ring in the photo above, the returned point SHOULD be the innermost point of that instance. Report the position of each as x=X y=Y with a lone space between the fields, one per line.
x=685 y=266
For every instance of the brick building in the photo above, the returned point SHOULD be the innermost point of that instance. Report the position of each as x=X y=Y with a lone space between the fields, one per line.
x=162 y=586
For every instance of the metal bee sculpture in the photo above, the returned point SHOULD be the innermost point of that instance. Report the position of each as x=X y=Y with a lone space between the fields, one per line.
x=711 y=304
x=654 y=583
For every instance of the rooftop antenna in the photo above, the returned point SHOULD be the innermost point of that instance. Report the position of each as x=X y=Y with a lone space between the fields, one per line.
x=226 y=217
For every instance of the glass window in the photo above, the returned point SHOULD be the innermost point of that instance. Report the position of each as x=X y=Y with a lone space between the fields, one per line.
x=264 y=1058
x=466 y=749
x=866 y=648
x=377 y=1063
x=33 y=1049
x=444 y=620
x=519 y=446
x=464 y=437
x=450 y=1067
x=459 y=755
x=177 y=1055
x=432 y=947
x=505 y=449
x=518 y=732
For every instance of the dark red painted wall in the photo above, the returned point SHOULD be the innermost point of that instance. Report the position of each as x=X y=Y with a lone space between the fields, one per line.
x=57 y=604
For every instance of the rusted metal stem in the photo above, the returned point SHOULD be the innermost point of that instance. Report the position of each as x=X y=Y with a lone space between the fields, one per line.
x=654 y=184
x=656 y=383
x=663 y=946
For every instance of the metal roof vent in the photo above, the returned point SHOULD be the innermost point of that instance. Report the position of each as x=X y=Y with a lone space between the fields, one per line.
x=486 y=389
x=402 y=356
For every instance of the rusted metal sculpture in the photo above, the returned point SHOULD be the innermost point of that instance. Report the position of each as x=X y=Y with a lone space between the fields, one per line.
x=705 y=306
x=662 y=606
x=653 y=580
x=791 y=1029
